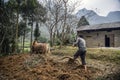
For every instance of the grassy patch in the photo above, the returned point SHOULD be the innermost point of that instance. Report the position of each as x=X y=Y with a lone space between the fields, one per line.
x=26 y=46
x=66 y=50
x=110 y=55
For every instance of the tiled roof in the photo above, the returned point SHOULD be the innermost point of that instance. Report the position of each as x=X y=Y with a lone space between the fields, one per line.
x=114 y=25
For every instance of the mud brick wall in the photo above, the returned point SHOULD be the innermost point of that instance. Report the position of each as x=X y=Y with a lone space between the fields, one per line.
x=97 y=38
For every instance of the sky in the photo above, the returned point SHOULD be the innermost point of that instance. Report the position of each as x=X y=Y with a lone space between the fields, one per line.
x=101 y=7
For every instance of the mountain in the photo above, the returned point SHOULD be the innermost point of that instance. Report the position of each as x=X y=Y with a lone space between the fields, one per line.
x=114 y=16
x=94 y=18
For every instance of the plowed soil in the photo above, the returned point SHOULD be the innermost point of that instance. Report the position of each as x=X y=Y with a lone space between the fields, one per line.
x=39 y=67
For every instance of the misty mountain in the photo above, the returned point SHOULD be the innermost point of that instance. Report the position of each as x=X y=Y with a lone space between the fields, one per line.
x=94 y=18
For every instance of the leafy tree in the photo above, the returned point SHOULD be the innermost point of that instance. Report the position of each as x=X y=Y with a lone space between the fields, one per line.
x=6 y=28
x=83 y=21
x=23 y=30
x=15 y=6
x=36 y=32
x=11 y=12
x=37 y=13
x=31 y=12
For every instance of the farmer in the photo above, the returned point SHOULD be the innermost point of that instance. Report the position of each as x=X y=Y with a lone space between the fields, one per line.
x=80 y=42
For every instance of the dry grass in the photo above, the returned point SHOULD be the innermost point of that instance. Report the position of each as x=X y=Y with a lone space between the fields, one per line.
x=110 y=55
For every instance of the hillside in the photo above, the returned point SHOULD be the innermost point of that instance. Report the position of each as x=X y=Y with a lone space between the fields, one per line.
x=94 y=18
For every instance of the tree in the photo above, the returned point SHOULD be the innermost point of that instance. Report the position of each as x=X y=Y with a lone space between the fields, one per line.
x=16 y=4
x=7 y=28
x=68 y=21
x=25 y=13
x=11 y=28
x=65 y=19
x=32 y=11
x=36 y=32
x=53 y=17
x=23 y=30
x=83 y=21
x=17 y=12
x=59 y=19
x=37 y=13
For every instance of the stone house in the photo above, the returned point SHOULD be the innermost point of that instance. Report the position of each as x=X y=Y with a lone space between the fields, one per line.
x=101 y=35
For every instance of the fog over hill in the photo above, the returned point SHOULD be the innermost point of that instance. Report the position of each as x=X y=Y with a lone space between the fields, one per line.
x=94 y=18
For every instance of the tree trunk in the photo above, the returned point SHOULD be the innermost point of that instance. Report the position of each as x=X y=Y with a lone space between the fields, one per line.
x=31 y=35
x=51 y=39
x=24 y=35
x=16 y=41
x=24 y=40
x=64 y=26
x=21 y=43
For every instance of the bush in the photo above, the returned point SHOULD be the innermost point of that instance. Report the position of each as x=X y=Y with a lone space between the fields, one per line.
x=42 y=39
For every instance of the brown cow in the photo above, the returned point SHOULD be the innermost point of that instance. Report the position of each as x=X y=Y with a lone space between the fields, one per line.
x=42 y=48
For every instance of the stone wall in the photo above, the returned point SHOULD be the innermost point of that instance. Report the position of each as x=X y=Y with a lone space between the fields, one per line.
x=97 y=38
x=117 y=38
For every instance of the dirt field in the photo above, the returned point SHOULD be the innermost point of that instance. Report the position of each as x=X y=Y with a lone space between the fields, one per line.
x=38 y=67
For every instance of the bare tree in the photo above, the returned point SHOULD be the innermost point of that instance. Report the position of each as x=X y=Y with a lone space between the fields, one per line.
x=59 y=19
x=69 y=20
x=53 y=17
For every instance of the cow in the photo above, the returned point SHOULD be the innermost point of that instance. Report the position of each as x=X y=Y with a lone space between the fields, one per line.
x=42 y=48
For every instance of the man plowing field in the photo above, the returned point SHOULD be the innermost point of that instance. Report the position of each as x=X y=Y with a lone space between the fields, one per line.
x=80 y=42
